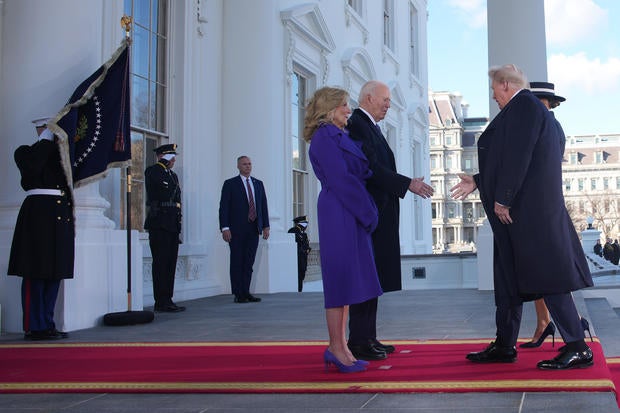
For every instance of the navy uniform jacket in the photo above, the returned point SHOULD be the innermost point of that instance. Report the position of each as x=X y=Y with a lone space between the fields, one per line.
x=385 y=186
x=163 y=199
x=520 y=162
x=234 y=205
x=44 y=240
x=301 y=238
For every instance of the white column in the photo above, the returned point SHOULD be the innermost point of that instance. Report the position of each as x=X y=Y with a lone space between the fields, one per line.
x=516 y=34
x=484 y=247
x=257 y=129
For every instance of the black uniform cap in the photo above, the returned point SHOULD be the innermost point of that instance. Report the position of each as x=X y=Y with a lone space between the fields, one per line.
x=300 y=219
x=165 y=149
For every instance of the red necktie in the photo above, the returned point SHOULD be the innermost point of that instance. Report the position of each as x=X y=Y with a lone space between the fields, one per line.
x=252 y=210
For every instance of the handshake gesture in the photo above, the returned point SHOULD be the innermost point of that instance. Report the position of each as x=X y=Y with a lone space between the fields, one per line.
x=418 y=187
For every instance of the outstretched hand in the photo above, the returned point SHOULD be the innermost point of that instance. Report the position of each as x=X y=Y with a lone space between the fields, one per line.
x=463 y=188
x=418 y=187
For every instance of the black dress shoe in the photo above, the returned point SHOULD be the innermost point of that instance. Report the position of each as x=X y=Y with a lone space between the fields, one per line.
x=494 y=354
x=170 y=308
x=388 y=348
x=37 y=336
x=55 y=334
x=253 y=299
x=367 y=352
x=568 y=360
x=241 y=300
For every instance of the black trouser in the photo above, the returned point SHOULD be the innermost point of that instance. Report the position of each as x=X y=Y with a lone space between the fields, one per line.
x=243 y=246
x=563 y=311
x=165 y=250
x=302 y=265
x=363 y=322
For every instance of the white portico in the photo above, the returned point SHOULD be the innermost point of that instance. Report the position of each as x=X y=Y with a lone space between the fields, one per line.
x=234 y=76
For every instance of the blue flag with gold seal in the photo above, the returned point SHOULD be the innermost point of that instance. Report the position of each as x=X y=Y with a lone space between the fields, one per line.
x=94 y=126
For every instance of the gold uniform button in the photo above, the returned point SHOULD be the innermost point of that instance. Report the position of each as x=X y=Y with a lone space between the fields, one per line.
x=58 y=201
x=58 y=218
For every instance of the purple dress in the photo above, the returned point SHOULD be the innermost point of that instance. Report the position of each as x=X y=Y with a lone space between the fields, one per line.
x=347 y=215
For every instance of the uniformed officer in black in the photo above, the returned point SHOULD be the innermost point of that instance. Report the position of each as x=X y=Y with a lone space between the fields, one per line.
x=163 y=222
x=43 y=247
x=303 y=248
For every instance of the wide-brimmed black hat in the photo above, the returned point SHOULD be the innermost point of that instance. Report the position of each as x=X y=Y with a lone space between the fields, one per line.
x=165 y=149
x=545 y=90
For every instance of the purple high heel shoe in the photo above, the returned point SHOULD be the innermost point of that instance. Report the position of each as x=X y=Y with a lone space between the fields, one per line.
x=329 y=358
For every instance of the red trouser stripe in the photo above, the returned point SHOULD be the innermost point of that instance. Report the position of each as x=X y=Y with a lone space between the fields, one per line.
x=27 y=297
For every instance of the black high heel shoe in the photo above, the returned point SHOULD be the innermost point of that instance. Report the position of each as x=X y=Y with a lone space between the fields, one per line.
x=586 y=327
x=548 y=331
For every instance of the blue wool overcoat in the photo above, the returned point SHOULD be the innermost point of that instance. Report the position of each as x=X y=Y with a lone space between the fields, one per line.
x=520 y=166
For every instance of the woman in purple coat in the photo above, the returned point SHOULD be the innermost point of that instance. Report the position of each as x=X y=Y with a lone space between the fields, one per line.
x=347 y=216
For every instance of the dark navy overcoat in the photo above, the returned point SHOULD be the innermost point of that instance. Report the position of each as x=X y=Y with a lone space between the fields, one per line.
x=387 y=187
x=43 y=244
x=520 y=166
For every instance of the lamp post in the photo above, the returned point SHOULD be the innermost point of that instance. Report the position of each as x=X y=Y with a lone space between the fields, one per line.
x=589 y=236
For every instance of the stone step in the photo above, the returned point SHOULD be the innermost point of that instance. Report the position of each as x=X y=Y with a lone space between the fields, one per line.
x=605 y=323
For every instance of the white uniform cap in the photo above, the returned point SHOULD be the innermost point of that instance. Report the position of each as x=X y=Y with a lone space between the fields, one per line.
x=40 y=122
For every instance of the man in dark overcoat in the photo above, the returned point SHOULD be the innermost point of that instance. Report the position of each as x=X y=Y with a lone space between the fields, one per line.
x=598 y=248
x=386 y=186
x=608 y=250
x=520 y=185
x=243 y=215
x=615 y=257
x=43 y=247
x=303 y=248
x=163 y=222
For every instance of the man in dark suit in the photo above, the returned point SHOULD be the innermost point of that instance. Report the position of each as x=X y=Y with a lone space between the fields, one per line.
x=163 y=222
x=386 y=186
x=520 y=184
x=43 y=247
x=243 y=216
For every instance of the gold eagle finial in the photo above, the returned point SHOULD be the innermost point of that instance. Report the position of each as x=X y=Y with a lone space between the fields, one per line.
x=126 y=23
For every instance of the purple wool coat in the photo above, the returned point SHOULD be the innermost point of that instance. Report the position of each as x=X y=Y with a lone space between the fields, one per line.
x=347 y=216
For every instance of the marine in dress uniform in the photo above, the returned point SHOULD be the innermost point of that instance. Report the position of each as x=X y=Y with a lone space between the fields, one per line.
x=303 y=248
x=163 y=222
x=42 y=251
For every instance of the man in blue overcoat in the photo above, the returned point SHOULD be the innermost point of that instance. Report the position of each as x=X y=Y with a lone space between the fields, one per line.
x=520 y=185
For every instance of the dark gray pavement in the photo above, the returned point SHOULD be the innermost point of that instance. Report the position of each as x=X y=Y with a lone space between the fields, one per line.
x=423 y=314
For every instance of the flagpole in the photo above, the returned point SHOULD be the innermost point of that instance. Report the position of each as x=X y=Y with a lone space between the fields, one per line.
x=128 y=317
x=128 y=223
x=126 y=24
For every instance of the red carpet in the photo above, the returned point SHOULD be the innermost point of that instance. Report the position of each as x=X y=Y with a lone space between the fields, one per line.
x=279 y=367
x=614 y=368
